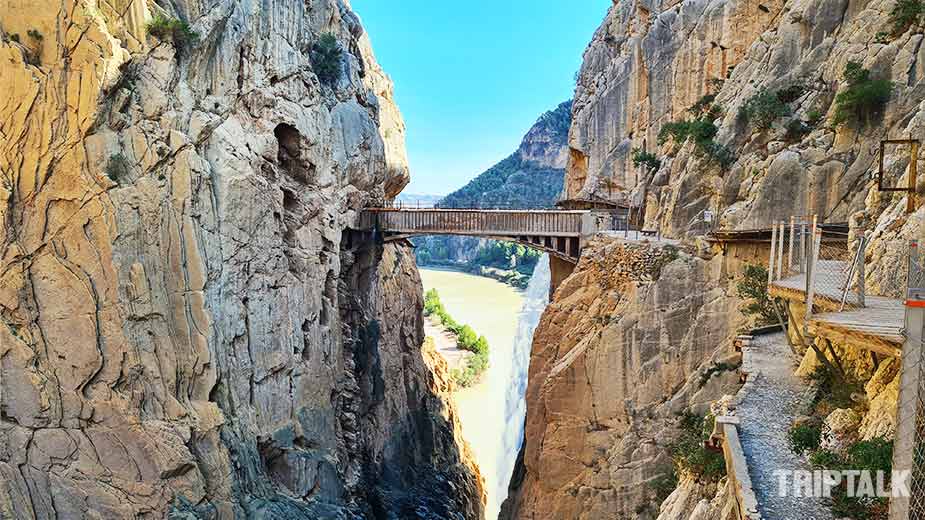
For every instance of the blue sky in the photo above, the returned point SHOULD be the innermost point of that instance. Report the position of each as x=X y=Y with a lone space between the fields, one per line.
x=472 y=77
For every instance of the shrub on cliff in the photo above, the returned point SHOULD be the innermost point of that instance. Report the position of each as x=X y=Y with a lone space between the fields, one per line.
x=701 y=132
x=706 y=108
x=326 y=58
x=643 y=158
x=762 y=109
x=805 y=437
x=690 y=455
x=177 y=31
x=874 y=455
x=863 y=99
x=752 y=286
x=905 y=14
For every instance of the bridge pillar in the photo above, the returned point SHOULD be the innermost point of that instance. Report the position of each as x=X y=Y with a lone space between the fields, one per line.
x=560 y=270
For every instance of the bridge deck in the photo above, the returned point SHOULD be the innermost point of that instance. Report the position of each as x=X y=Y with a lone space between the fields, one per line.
x=489 y=223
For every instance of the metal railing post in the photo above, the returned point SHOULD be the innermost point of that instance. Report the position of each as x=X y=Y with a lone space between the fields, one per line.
x=810 y=275
x=790 y=247
x=773 y=254
x=803 y=239
x=780 y=252
x=862 y=271
x=908 y=440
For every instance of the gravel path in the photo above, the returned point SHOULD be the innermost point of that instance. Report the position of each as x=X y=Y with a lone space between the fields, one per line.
x=772 y=400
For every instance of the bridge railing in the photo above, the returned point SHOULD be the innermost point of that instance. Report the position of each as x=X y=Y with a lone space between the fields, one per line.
x=481 y=222
x=427 y=204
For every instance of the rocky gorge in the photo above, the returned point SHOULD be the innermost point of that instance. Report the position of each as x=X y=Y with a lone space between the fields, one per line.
x=191 y=329
x=187 y=328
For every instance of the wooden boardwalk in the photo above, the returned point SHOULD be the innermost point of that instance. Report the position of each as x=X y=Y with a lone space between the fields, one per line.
x=878 y=326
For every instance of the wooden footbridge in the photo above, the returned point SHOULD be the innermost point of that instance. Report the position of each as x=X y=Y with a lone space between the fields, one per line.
x=561 y=233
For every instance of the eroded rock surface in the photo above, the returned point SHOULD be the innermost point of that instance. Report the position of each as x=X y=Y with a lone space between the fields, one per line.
x=617 y=355
x=184 y=324
x=650 y=62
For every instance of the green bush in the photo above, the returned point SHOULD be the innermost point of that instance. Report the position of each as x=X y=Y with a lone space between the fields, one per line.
x=833 y=390
x=826 y=459
x=664 y=484
x=466 y=339
x=752 y=286
x=701 y=131
x=326 y=58
x=814 y=116
x=791 y=93
x=864 y=98
x=762 y=109
x=643 y=158
x=177 y=31
x=805 y=437
x=35 y=34
x=689 y=454
x=872 y=455
x=905 y=14
x=470 y=375
x=717 y=153
x=15 y=37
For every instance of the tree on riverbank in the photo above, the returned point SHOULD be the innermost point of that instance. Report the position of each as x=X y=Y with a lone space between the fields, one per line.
x=466 y=339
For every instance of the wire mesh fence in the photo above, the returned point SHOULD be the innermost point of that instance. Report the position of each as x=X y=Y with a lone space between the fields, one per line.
x=839 y=271
x=909 y=444
x=917 y=481
x=836 y=278
x=887 y=267
x=791 y=248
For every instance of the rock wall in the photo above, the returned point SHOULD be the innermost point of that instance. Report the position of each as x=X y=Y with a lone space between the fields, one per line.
x=184 y=324
x=618 y=354
x=650 y=61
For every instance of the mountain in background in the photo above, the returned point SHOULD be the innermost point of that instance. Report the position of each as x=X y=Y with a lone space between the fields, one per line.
x=531 y=177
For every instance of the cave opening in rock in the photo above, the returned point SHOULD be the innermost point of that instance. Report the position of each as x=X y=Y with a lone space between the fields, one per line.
x=290 y=156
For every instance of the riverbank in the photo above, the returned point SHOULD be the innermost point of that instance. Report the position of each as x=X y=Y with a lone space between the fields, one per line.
x=493 y=310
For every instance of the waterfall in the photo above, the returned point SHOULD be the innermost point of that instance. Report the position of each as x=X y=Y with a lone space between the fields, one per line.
x=515 y=406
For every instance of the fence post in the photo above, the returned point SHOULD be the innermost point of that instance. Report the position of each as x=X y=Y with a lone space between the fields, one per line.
x=811 y=274
x=862 y=271
x=773 y=254
x=790 y=245
x=780 y=252
x=803 y=239
x=906 y=447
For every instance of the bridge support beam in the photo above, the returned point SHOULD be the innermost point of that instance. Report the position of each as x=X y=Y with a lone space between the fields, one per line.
x=560 y=270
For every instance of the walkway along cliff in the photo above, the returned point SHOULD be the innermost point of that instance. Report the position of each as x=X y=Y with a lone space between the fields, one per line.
x=186 y=326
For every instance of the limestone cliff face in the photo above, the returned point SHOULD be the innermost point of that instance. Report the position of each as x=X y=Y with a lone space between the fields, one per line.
x=184 y=324
x=650 y=61
x=618 y=353
x=545 y=146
